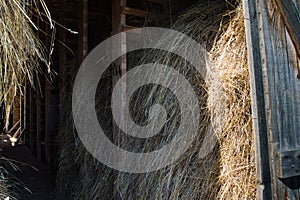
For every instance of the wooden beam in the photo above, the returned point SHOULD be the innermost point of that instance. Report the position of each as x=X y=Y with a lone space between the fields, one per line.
x=47 y=127
x=259 y=119
x=291 y=17
x=47 y=106
x=38 y=124
x=61 y=65
x=127 y=28
x=24 y=108
x=32 y=121
x=118 y=69
x=134 y=12
x=288 y=163
x=83 y=30
x=119 y=66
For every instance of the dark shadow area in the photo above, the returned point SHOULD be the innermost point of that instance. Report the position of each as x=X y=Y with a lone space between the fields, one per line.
x=31 y=179
x=292 y=182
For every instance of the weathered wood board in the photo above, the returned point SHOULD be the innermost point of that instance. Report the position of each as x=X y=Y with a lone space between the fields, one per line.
x=272 y=29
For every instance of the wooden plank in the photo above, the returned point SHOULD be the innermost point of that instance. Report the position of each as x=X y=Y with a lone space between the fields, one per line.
x=38 y=125
x=257 y=101
x=62 y=69
x=32 y=120
x=83 y=31
x=291 y=17
x=47 y=127
x=47 y=105
x=118 y=69
x=268 y=50
x=127 y=28
x=134 y=12
x=280 y=88
x=38 y=112
x=119 y=66
x=288 y=163
x=24 y=108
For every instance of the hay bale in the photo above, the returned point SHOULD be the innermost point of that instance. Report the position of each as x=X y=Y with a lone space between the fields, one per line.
x=228 y=172
x=217 y=176
x=79 y=175
x=230 y=107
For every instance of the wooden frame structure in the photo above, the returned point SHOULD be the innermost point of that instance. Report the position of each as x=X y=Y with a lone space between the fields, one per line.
x=272 y=32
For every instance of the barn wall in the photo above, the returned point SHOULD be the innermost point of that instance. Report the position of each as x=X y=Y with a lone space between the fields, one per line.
x=276 y=59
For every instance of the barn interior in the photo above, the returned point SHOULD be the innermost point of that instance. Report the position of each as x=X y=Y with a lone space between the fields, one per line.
x=43 y=156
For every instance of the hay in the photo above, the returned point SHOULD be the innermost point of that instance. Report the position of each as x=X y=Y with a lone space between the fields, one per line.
x=21 y=56
x=230 y=106
x=21 y=51
x=9 y=184
x=5 y=186
x=79 y=175
x=228 y=172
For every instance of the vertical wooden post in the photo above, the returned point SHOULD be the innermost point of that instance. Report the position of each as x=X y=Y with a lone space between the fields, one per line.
x=32 y=121
x=22 y=112
x=38 y=112
x=83 y=30
x=119 y=67
x=48 y=110
x=62 y=68
x=258 y=101
x=38 y=124
x=24 y=108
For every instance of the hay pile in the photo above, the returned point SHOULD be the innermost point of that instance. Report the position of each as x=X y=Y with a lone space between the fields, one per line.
x=79 y=175
x=5 y=186
x=228 y=172
x=21 y=55
x=230 y=107
x=21 y=52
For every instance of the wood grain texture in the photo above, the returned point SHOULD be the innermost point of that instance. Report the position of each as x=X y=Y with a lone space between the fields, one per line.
x=284 y=95
x=258 y=101
x=288 y=163
x=279 y=67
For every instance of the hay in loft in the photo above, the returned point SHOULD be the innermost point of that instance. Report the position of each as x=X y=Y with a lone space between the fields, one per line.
x=228 y=172
x=21 y=55
x=79 y=175
x=230 y=108
x=230 y=167
x=21 y=51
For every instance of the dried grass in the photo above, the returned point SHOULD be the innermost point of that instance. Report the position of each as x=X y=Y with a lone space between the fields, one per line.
x=228 y=172
x=21 y=56
x=21 y=52
x=5 y=186
x=230 y=107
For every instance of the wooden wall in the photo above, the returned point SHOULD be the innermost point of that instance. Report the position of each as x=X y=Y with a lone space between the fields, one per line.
x=273 y=41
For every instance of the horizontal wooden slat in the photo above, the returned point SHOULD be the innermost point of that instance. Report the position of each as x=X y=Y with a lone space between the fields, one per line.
x=288 y=163
x=134 y=12
x=127 y=28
